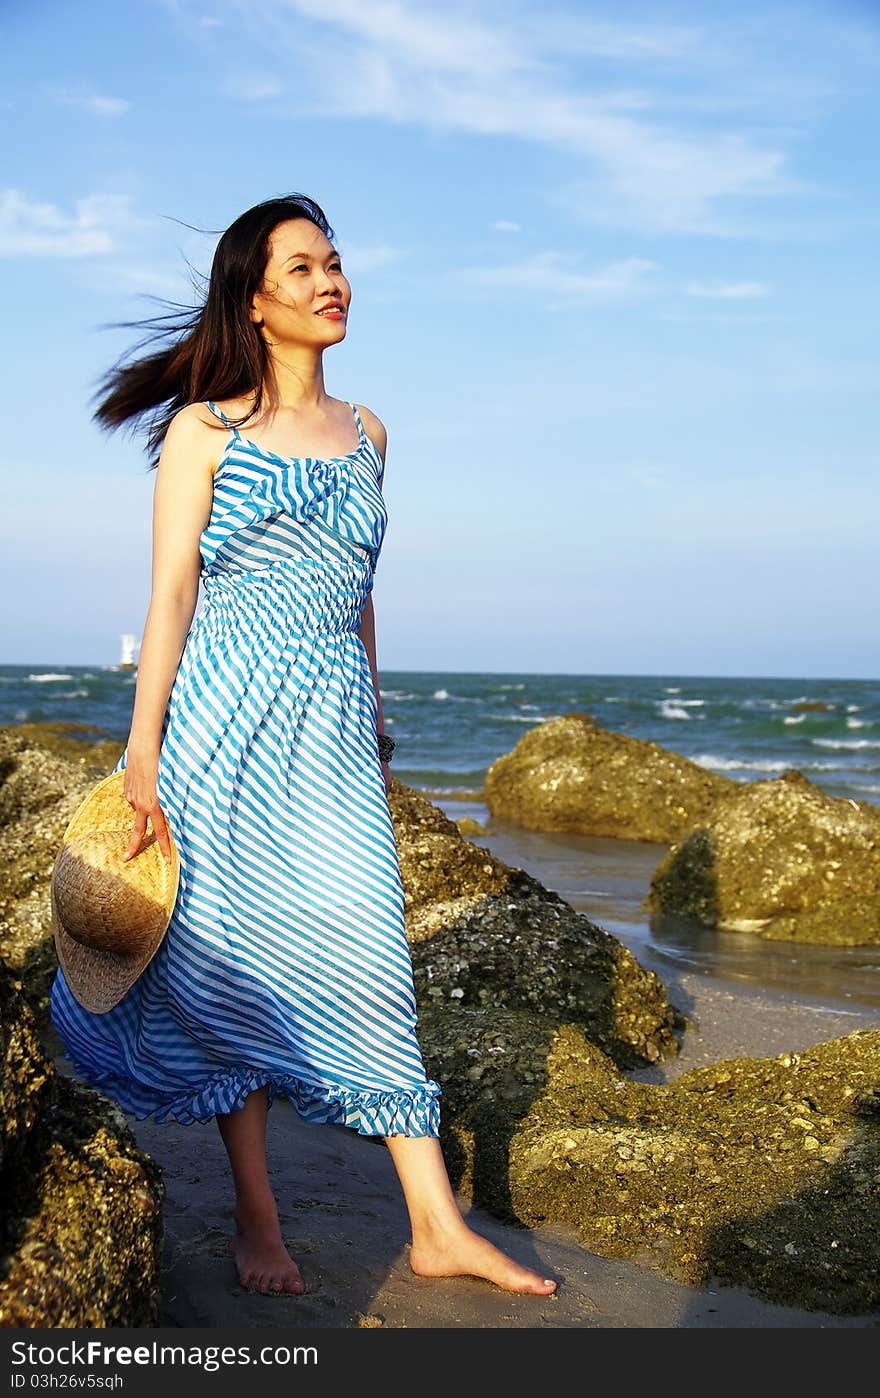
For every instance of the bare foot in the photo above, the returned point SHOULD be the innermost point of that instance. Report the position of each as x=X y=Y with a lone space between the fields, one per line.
x=465 y=1253
x=264 y=1264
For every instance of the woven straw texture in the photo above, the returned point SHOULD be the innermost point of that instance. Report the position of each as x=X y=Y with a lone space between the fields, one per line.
x=109 y=915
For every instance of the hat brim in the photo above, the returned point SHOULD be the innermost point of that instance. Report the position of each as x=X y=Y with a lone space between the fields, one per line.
x=99 y=979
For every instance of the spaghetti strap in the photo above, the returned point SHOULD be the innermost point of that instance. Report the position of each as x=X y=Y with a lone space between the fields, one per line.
x=357 y=417
x=222 y=416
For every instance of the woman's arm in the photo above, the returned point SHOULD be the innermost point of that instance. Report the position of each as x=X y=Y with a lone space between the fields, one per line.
x=182 y=499
x=367 y=634
x=375 y=428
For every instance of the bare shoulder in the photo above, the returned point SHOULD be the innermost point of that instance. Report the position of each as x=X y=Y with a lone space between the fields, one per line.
x=194 y=435
x=374 y=428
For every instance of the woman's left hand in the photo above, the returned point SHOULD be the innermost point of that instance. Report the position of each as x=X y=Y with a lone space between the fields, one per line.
x=386 y=773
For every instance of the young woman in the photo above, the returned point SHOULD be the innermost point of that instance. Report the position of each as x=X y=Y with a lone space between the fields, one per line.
x=255 y=740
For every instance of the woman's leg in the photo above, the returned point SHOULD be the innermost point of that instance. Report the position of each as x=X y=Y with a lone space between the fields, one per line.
x=262 y=1260
x=442 y=1243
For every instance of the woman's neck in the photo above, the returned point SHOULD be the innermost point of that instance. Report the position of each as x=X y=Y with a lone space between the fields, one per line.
x=295 y=378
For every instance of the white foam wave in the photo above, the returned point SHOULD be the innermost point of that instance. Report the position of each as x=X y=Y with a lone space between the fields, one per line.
x=800 y=718
x=849 y=743
x=73 y=694
x=856 y=722
x=735 y=764
x=440 y=694
x=854 y=708
x=669 y=709
x=673 y=689
x=525 y=718
x=45 y=679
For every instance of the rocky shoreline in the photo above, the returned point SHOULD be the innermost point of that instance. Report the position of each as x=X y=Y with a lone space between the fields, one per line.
x=778 y=858
x=763 y=1173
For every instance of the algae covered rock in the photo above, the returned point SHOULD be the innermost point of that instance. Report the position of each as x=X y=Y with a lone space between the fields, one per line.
x=782 y=859
x=81 y=1230
x=45 y=772
x=26 y=1075
x=571 y=774
x=485 y=935
x=764 y=1173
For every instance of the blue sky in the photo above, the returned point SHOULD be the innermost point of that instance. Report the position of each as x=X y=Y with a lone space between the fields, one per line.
x=614 y=297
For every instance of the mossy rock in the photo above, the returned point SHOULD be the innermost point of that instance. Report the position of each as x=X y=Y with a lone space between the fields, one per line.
x=763 y=1173
x=571 y=774
x=781 y=859
x=81 y=1230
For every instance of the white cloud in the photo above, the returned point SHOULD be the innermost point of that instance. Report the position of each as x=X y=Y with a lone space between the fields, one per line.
x=32 y=229
x=556 y=270
x=504 y=225
x=495 y=72
x=729 y=291
x=99 y=104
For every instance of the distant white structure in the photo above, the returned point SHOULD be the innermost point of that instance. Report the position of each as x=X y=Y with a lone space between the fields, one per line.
x=127 y=659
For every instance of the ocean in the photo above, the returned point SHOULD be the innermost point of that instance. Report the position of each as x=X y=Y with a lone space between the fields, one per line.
x=451 y=726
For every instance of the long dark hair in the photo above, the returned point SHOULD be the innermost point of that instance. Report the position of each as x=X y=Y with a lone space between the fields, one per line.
x=215 y=350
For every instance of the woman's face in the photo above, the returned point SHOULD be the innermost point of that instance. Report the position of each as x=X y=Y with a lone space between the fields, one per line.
x=303 y=276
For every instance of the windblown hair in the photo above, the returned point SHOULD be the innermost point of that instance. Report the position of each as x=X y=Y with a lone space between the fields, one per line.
x=212 y=351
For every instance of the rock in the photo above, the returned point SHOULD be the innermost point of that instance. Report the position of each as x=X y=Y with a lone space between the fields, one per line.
x=728 y=1185
x=709 y=1177
x=45 y=772
x=26 y=1076
x=571 y=774
x=81 y=1234
x=485 y=935
x=782 y=859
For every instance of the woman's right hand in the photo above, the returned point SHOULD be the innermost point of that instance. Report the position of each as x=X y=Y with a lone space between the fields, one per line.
x=141 y=793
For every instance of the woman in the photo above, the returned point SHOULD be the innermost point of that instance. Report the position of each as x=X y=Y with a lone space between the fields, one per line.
x=254 y=740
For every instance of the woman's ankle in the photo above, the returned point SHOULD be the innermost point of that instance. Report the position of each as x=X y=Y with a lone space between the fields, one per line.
x=256 y=1215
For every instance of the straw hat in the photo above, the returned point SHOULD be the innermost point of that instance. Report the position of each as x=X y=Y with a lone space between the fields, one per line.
x=109 y=914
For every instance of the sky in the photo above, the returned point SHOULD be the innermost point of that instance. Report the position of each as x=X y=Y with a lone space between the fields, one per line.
x=614 y=296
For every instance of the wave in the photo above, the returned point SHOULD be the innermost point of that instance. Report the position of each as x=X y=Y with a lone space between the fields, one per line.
x=670 y=709
x=849 y=743
x=525 y=718
x=46 y=679
x=789 y=719
x=761 y=764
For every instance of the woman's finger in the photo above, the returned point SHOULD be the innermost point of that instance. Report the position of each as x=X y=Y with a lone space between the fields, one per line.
x=160 y=826
x=137 y=835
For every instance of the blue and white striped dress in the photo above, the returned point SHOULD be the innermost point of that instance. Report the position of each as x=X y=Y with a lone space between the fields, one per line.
x=285 y=963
